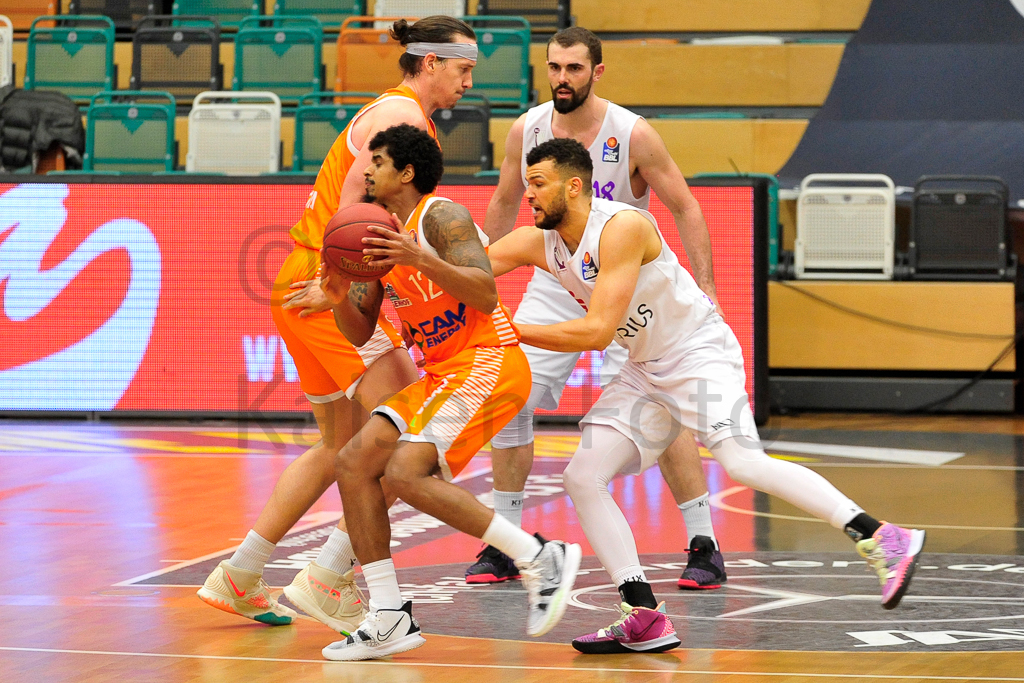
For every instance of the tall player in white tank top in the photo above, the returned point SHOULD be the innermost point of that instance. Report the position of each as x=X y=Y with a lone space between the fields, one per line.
x=685 y=370
x=629 y=159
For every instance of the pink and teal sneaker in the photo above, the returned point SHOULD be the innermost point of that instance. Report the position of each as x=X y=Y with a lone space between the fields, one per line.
x=893 y=553
x=639 y=629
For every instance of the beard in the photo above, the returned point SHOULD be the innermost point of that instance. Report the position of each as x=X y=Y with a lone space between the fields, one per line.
x=573 y=103
x=553 y=214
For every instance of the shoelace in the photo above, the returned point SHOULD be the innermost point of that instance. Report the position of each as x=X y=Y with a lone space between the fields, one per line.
x=624 y=614
x=530 y=576
x=872 y=551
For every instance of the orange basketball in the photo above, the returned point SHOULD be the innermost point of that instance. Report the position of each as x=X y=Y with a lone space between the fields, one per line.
x=343 y=241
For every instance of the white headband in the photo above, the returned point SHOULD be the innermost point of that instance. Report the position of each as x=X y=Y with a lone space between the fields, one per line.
x=443 y=50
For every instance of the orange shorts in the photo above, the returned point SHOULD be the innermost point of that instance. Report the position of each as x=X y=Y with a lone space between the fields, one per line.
x=329 y=366
x=462 y=402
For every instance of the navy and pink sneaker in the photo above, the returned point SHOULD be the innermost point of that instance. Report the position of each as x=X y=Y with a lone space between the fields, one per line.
x=893 y=553
x=639 y=629
x=706 y=568
x=492 y=566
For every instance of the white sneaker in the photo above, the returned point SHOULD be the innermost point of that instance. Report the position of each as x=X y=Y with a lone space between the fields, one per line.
x=329 y=597
x=245 y=593
x=383 y=632
x=549 y=578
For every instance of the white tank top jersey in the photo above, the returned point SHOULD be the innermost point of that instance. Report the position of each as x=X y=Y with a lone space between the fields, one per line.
x=609 y=151
x=667 y=305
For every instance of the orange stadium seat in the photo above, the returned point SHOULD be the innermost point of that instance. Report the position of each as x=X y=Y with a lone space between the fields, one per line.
x=368 y=56
x=22 y=12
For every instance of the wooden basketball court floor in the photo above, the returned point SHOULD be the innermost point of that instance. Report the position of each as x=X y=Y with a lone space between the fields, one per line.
x=107 y=529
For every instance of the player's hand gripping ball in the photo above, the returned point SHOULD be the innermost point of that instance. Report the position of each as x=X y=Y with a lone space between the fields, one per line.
x=343 y=241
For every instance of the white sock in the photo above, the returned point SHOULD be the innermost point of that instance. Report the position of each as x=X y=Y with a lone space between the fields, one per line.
x=253 y=554
x=382 y=584
x=633 y=572
x=510 y=539
x=697 y=516
x=509 y=504
x=337 y=554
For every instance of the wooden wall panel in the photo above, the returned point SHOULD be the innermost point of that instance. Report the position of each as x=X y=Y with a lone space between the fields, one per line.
x=804 y=333
x=678 y=74
x=721 y=15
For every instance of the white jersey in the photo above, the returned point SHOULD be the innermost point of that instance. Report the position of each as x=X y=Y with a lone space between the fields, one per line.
x=609 y=151
x=667 y=305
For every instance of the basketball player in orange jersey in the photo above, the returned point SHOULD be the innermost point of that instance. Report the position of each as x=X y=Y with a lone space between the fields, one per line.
x=476 y=379
x=630 y=159
x=342 y=382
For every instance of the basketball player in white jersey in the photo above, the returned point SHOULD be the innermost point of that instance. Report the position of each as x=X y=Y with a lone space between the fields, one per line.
x=629 y=159
x=685 y=369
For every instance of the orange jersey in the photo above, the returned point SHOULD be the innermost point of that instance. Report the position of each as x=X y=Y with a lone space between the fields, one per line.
x=441 y=325
x=323 y=200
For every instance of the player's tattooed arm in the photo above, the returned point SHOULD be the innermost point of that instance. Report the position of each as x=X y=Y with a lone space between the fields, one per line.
x=462 y=268
x=355 y=312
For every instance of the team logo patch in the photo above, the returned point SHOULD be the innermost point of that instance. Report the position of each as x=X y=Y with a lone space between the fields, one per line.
x=611 y=151
x=589 y=267
x=391 y=294
x=559 y=263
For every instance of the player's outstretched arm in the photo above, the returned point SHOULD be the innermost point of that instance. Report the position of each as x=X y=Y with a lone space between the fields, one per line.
x=624 y=242
x=522 y=247
x=356 y=305
x=508 y=195
x=661 y=173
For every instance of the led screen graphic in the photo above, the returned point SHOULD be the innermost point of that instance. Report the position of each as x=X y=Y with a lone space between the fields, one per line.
x=154 y=297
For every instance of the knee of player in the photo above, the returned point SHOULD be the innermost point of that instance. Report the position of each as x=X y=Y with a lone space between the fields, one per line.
x=742 y=459
x=578 y=479
x=400 y=480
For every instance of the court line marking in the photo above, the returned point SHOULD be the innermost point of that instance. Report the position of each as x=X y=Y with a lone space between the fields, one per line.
x=717 y=500
x=314 y=520
x=899 y=455
x=517 y=667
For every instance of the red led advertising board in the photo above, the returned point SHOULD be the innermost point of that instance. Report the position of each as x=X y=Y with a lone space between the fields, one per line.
x=155 y=297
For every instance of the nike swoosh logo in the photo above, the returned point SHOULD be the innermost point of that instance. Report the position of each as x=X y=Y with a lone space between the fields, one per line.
x=643 y=633
x=385 y=636
x=239 y=593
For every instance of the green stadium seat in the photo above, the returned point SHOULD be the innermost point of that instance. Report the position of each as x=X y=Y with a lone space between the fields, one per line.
x=502 y=75
x=318 y=124
x=229 y=13
x=75 y=57
x=130 y=131
x=283 y=58
x=330 y=12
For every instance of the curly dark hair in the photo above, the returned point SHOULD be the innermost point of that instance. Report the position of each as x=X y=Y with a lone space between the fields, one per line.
x=570 y=158
x=408 y=145
x=434 y=29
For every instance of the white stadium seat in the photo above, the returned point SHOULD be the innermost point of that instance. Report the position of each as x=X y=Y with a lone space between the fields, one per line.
x=6 y=51
x=845 y=227
x=236 y=133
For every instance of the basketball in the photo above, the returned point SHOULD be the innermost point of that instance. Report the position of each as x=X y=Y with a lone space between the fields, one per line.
x=343 y=241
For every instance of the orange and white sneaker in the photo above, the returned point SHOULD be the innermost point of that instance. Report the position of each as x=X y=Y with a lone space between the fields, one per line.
x=329 y=597
x=244 y=593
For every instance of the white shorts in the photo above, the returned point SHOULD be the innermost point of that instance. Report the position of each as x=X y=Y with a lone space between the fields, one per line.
x=701 y=386
x=547 y=303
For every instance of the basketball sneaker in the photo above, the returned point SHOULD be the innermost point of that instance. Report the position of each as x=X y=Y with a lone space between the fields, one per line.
x=548 y=578
x=705 y=569
x=244 y=593
x=382 y=632
x=893 y=553
x=492 y=566
x=329 y=597
x=639 y=629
